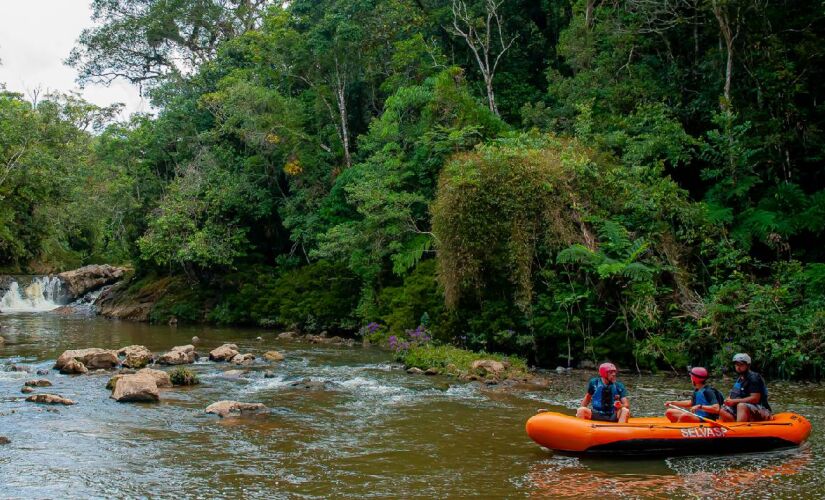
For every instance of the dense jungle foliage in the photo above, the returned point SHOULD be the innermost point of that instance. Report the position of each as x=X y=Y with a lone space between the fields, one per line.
x=634 y=180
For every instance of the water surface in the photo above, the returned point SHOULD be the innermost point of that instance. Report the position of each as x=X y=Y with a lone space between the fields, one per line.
x=374 y=432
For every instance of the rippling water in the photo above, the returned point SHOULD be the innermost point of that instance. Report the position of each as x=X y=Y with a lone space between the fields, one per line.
x=377 y=432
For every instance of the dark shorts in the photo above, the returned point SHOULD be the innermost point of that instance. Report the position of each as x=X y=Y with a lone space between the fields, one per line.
x=756 y=413
x=601 y=417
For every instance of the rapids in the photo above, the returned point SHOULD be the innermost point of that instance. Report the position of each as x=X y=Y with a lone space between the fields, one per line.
x=374 y=432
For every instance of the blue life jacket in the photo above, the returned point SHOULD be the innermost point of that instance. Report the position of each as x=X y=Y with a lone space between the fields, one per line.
x=707 y=396
x=605 y=395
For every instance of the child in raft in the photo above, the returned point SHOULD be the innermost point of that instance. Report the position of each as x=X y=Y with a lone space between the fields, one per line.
x=609 y=397
x=705 y=402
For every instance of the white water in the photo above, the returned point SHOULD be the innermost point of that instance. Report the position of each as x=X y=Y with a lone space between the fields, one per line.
x=40 y=295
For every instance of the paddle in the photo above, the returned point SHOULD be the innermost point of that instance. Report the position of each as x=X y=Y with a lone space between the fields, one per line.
x=703 y=419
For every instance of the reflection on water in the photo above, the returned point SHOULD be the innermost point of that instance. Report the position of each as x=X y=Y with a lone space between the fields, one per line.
x=373 y=431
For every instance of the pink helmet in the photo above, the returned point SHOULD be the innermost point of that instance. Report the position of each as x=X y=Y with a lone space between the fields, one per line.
x=700 y=373
x=605 y=368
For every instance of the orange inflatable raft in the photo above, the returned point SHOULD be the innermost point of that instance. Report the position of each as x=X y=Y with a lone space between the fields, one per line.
x=660 y=436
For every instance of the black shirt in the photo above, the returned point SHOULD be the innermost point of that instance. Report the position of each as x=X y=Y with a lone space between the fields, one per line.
x=749 y=383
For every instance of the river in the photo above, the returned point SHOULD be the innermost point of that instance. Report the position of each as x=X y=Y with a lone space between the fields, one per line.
x=377 y=432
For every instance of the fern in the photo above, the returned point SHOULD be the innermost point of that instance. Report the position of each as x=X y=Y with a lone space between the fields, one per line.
x=576 y=254
x=411 y=253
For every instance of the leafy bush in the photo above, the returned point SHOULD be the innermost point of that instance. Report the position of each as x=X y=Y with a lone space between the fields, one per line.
x=183 y=376
x=453 y=360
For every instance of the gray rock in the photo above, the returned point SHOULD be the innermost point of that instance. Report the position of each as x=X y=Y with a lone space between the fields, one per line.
x=415 y=371
x=312 y=385
x=287 y=335
x=243 y=359
x=196 y=339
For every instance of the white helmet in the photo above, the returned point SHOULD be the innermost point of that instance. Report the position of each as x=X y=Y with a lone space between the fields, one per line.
x=742 y=358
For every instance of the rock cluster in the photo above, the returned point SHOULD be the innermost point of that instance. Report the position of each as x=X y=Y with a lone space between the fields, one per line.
x=82 y=360
x=37 y=383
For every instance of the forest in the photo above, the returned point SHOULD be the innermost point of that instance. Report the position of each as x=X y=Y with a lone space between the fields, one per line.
x=633 y=180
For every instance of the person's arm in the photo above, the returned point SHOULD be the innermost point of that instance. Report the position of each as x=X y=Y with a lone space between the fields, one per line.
x=713 y=409
x=753 y=399
x=625 y=402
x=683 y=404
x=586 y=400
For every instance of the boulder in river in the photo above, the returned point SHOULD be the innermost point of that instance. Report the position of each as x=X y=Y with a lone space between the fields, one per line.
x=73 y=367
x=243 y=359
x=195 y=339
x=50 y=399
x=224 y=353
x=92 y=358
x=140 y=387
x=41 y=382
x=231 y=408
x=179 y=355
x=26 y=389
x=4 y=440
x=88 y=278
x=273 y=356
x=413 y=370
x=287 y=335
x=137 y=356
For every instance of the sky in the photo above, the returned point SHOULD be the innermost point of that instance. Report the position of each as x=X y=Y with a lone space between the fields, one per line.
x=36 y=36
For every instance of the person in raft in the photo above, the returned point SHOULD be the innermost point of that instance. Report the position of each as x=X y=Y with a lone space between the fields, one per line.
x=705 y=402
x=748 y=400
x=608 y=396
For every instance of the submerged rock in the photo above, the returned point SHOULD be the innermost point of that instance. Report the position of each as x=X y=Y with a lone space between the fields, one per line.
x=234 y=373
x=223 y=353
x=42 y=371
x=92 y=358
x=89 y=278
x=140 y=387
x=269 y=374
x=4 y=440
x=19 y=368
x=26 y=389
x=179 y=355
x=137 y=356
x=431 y=371
x=50 y=399
x=243 y=359
x=37 y=383
x=312 y=385
x=231 y=408
x=273 y=356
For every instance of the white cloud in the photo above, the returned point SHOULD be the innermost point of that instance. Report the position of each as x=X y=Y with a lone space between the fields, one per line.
x=36 y=36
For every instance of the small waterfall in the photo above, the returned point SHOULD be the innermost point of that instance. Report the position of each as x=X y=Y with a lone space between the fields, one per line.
x=42 y=294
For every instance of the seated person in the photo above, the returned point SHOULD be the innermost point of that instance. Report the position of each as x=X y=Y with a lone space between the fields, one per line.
x=705 y=402
x=608 y=396
x=748 y=401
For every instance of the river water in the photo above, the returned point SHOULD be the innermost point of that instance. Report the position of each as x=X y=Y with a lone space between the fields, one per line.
x=375 y=432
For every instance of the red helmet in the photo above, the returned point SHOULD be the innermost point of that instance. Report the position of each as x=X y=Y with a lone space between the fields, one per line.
x=605 y=368
x=699 y=373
